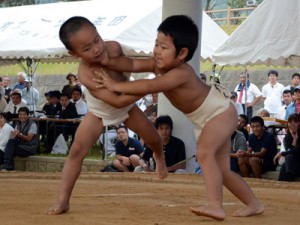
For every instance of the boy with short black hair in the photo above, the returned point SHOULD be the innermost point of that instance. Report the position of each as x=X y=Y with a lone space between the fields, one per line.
x=208 y=107
x=80 y=37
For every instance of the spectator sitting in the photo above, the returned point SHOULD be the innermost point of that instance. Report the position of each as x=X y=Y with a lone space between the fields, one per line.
x=263 y=113
x=67 y=89
x=24 y=142
x=261 y=151
x=174 y=148
x=294 y=107
x=20 y=81
x=30 y=95
x=5 y=135
x=291 y=166
x=68 y=111
x=80 y=104
x=47 y=105
x=128 y=151
x=287 y=100
x=238 y=142
x=14 y=105
x=242 y=123
x=55 y=106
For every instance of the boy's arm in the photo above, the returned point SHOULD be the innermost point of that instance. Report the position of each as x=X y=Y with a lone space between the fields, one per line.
x=126 y=64
x=114 y=99
x=166 y=82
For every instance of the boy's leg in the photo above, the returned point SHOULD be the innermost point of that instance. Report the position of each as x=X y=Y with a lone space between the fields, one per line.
x=213 y=156
x=140 y=124
x=87 y=134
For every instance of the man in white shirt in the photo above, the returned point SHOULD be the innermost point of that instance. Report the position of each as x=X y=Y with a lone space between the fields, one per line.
x=30 y=95
x=14 y=105
x=272 y=94
x=247 y=98
x=294 y=84
x=77 y=99
x=287 y=99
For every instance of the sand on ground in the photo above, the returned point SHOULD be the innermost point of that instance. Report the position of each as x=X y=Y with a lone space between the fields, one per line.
x=136 y=199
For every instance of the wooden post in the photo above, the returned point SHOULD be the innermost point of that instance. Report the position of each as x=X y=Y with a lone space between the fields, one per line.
x=228 y=16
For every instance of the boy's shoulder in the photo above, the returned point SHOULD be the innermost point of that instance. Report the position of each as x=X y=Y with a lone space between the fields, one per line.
x=113 y=48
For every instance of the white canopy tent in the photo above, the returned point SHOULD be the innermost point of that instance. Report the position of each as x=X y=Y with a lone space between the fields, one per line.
x=32 y=31
x=270 y=35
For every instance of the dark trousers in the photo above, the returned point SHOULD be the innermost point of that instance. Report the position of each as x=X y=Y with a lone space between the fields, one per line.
x=290 y=168
x=249 y=112
x=1 y=158
x=12 y=149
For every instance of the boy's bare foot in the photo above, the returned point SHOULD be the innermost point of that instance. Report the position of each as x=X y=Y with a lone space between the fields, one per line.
x=205 y=211
x=161 y=168
x=249 y=211
x=58 y=209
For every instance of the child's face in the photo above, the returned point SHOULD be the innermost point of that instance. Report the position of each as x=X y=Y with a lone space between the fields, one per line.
x=164 y=52
x=87 y=44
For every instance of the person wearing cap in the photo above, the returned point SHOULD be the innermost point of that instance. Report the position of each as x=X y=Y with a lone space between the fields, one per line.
x=294 y=107
x=20 y=81
x=238 y=105
x=30 y=95
x=68 y=88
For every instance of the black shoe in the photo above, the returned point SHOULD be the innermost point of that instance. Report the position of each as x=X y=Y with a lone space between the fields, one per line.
x=7 y=167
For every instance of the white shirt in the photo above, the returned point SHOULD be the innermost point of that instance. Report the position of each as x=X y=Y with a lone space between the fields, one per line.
x=252 y=93
x=273 y=95
x=10 y=107
x=81 y=106
x=5 y=135
x=281 y=112
x=31 y=97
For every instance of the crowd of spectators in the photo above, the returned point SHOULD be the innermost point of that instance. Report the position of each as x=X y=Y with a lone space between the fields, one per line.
x=253 y=150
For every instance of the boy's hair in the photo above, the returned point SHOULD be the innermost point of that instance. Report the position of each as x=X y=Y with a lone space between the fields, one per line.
x=273 y=72
x=65 y=95
x=164 y=120
x=23 y=109
x=286 y=91
x=71 y=26
x=258 y=119
x=122 y=126
x=78 y=90
x=243 y=116
x=295 y=75
x=183 y=31
x=3 y=115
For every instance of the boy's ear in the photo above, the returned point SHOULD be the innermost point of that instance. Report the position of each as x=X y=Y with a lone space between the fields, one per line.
x=73 y=54
x=183 y=53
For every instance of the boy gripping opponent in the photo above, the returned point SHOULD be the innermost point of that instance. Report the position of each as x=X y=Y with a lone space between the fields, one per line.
x=208 y=107
x=83 y=41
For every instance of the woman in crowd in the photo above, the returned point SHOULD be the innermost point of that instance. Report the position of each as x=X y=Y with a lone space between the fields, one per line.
x=291 y=167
